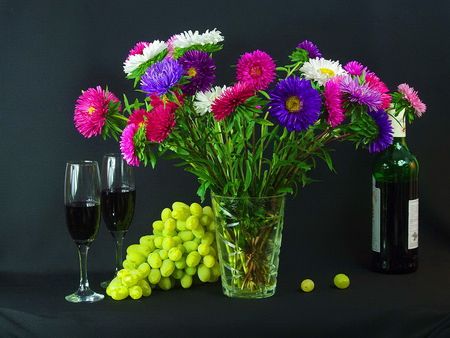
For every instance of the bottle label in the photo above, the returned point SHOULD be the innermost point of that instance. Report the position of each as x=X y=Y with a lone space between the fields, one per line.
x=413 y=224
x=376 y=202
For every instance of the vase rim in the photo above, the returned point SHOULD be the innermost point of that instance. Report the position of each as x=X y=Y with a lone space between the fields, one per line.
x=249 y=197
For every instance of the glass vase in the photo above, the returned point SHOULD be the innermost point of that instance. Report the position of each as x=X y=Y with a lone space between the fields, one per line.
x=248 y=234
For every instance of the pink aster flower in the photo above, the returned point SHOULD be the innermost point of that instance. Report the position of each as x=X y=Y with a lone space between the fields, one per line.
x=92 y=109
x=375 y=83
x=138 y=48
x=127 y=146
x=161 y=122
x=333 y=102
x=413 y=98
x=230 y=99
x=138 y=117
x=257 y=68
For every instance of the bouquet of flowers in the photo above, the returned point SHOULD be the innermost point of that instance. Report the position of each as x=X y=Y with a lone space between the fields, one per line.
x=242 y=139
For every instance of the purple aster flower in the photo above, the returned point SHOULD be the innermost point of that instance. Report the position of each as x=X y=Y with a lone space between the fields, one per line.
x=295 y=104
x=313 y=51
x=161 y=77
x=360 y=93
x=385 y=131
x=201 y=70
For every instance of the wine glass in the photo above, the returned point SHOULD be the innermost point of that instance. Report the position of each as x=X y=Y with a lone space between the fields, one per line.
x=118 y=199
x=82 y=202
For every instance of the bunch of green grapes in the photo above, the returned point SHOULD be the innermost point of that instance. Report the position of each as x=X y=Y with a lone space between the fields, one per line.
x=181 y=251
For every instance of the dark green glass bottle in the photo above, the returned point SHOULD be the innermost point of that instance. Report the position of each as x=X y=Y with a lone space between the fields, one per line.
x=395 y=202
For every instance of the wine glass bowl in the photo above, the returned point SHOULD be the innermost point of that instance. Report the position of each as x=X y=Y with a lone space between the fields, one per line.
x=118 y=200
x=82 y=202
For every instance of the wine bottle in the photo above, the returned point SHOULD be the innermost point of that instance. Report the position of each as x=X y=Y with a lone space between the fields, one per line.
x=395 y=202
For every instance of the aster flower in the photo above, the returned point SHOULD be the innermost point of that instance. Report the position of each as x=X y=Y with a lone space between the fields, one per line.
x=135 y=59
x=230 y=99
x=361 y=94
x=204 y=100
x=93 y=108
x=333 y=101
x=189 y=38
x=411 y=96
x=321 y=70
x=311 y=49
x=161 y=122
x=375 y=83
x=138 y=117
x=257 y=68
x=201 y=70
x=355 y=68
x=161 y=77
x=384 y=137
x=295 y=104
x=127 y=143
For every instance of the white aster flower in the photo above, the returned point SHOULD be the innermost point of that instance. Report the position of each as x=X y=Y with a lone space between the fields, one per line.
x=321 y=70
x=204 y=100
x=149 y=52
x=189 y=38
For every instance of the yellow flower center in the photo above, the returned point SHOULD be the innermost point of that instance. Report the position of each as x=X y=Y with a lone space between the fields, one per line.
x=327 y=71
x=192 y=72
x=256 y=72
x=294 y=104
x=91 y=110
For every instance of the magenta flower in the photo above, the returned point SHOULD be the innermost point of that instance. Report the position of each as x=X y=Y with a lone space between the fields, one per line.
x=256 y=68
x=355 y=68
x=412 y=97
x=230 y=99
x=161 y=122
x=127 y=144
x=92 y=109
x=333 y=102
x=375 y=83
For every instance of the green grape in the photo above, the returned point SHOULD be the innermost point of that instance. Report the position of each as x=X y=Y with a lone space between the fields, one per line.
x=207 y=210
x=170 y=224
x=167 y=268
x=209 y=261
x=178 y=273
x=181 y=213
x=166 y=214
x=154 y=260
x=208 y=238
x=137 y=272
x=186 y=281
x=190 y=270
x=199 y=231
x=196 y=209
x=154 y=276
x=146 y=289
x=129 y=279
x=168 y=243
x=145 y=269
x=192 y=222
x=212 y=251
x=128 y=265
x=215 y=270
x=142 y=249
x=175 y=254
x=193 y=258
x=176 y=205
x=135 y=292
x=204 y=273
x=135 y=258
x=158 y=241
x=182 y=248
x=167 y=233
x=190 y=246
x=157 y=233
x=148 y=241
x=186 y=235
x=158 y=225
x=165 y=283
x=164 y=254
x=205 y=220
x=119 y=292
x=177 y=240
x=203 y=249
x=181 y=225
x=181 y=263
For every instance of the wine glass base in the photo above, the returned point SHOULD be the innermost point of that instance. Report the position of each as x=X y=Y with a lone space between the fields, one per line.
x=87 y=296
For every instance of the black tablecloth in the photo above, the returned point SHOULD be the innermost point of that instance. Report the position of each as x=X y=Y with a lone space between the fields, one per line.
x=375 y=305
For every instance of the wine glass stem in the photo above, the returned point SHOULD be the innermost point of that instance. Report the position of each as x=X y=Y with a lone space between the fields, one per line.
x=118 y=243
x=82 y=255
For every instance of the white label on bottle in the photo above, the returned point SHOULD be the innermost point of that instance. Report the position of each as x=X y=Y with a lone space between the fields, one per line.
x=413 y=224
x=376 y=195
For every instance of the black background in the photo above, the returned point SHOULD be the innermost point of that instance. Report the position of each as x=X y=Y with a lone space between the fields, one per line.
x=51 y=51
